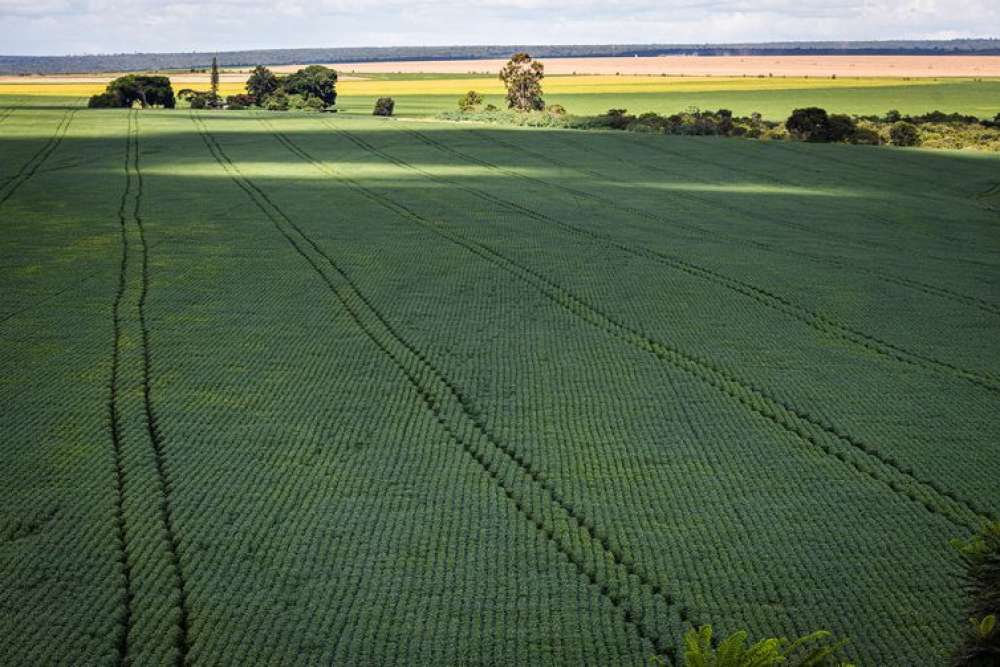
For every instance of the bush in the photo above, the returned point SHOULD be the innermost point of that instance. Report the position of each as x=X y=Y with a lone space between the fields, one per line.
x=981 y=555
x=813 y=650
x=104 y=101
x=276 y=102
x=809 y=124
x=556 y=109
x=469 y=101
x=903 y=133
x=241 y=101
x=840 y=128
x=199 y=102
x=384 y=106
x=866 y=136
x=617 y=119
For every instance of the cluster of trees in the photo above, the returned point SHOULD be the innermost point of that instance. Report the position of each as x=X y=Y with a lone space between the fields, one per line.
x=125 y=91
x=692 y=122
x=312 y=88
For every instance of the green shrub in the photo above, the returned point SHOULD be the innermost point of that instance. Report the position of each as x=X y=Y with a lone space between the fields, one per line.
x=276 y=102
x=469 y=101
x=104 y=101
x=384 y=106
x=866 y=136
x=840 y=128
x=981 y=556
x=811 y=650
x=903 y=133
x=556 y=109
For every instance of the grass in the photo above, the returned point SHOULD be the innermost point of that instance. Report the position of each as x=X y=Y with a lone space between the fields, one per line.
x=292 y=387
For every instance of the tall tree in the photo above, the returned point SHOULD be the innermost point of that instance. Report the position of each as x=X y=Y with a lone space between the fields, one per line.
x=313 y=81
x=523 y=78
x=262 y=83
x=215 y=79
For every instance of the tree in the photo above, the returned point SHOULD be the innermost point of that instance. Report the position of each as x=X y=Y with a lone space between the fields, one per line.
x=313 y=81
x=262 y=83
x=469 y=101
x=384 y=106
x=523 y=78
x=904 y=134
x=841 y=128
x=814 y=124
x=125 y=91
x=215 y=79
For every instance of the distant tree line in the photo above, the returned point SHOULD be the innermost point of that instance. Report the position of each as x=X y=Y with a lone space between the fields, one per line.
x=132 y=62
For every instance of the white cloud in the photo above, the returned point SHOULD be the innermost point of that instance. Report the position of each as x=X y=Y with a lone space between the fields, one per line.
x=78 y=26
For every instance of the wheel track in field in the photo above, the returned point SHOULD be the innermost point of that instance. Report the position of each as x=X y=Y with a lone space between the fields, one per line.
x=808 y=428
x=817 y=321
x=130 y=222
x=121 y=529
x=4 y=115
x=156 y=438
x=920 y=286
x=29 y=168
x=443 y=398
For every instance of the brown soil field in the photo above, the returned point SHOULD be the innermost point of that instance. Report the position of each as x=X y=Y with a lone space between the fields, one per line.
x=823 y=66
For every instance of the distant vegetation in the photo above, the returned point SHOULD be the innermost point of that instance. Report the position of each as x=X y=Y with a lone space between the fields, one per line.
x=125 y=91
x=811 y=124
x=312 y=88
x=124 y=62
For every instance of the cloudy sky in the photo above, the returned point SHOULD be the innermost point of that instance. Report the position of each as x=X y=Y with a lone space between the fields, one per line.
x=39 y=27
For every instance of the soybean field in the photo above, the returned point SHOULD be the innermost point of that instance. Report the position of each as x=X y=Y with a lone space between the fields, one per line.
x=304 y=389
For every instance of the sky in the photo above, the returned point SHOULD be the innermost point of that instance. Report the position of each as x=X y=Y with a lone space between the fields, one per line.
x=59 y=27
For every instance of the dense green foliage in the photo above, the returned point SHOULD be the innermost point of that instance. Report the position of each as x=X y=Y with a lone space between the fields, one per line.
x=312 y=88
x=981 y=554
x=306 y=388
x=813 y=650
x=127 y=90
x=384 y=106
x=471 y=101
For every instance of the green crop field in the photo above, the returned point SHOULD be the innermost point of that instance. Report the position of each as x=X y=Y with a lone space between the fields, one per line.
x=302 y=389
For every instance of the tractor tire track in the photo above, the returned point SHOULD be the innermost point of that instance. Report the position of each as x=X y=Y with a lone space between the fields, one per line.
x=156 y=438
x=29 y=168
x=444 y=399
x=887 y=277
x=809 y=429
x=815 y=320
x=114 y=422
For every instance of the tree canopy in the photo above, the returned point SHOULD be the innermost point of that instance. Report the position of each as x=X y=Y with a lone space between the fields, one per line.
x=523 y=78
x=262 y=82
x=313 y=81
x=127 y=90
